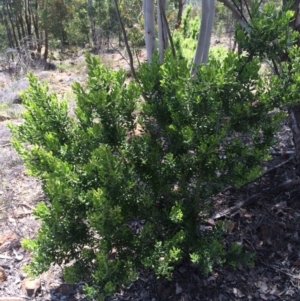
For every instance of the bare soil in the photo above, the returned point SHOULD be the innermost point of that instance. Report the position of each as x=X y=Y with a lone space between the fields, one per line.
x=263 y=217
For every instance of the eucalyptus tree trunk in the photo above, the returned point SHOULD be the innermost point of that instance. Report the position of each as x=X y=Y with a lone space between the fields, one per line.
x=148 y=9
x=7 y=28
x=28 y=18
x=7 y=12
x=207 y=19
x=162 y=28
x=34 y=8
x=15 y=13
x=93 y=23
x=45 y=56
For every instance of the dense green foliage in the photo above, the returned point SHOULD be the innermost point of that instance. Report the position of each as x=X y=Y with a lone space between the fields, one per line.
x=186 y=37
x=101 y=176
x=77 y=28
x=59 y=24
x=129 y=178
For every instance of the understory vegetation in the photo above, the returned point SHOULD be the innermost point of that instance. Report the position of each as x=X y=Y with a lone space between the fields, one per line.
x=128 y=180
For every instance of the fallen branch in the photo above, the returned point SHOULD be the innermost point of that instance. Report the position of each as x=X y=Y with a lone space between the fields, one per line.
x=253 y=198
x=283 y=153
x=271 y=170
x=279 y=270
x=277 y=166
x=4 y=145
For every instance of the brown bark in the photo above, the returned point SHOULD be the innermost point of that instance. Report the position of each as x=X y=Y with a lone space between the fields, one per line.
x=169 y=35
x=33 y=11
x=232 y=8
x=14 y=21
x=28 y=18
x=21 y=25
x=294 y=123
x=179 y=14
x=93 y=24
x=45 y=56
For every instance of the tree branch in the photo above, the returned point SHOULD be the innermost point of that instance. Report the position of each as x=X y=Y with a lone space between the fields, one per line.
x=125 y=40
x=253 y=198
x=237 y=15
x=169 y=33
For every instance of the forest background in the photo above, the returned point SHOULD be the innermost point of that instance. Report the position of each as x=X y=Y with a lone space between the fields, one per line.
x=34 y=27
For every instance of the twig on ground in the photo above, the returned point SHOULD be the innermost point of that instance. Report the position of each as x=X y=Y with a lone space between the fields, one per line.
x=270 y=170
x=232 y=188
x=4 y=145
x=276 y=167
x=26 y=205
x=120 y=52
x=283 y=153
x=279 y=270
x=253 y=198
x=21 y=233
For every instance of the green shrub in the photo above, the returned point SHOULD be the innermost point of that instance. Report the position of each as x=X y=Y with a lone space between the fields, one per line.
x=128 y=180
x=265 y=39
x=102 y=177
x=186 y=38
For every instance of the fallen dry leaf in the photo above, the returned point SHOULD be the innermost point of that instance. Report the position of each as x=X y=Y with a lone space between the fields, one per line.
x=7 y=237
x=2 y=275
x=237 y=293
x=211 y=278
x=231 y=227
x=30 y=287
x=263 y=296
x=19 y=257
x=282 y=204
x=178 y=289
x=211 y=222
x=263 y=287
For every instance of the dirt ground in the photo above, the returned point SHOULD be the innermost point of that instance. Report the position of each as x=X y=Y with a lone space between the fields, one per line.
x=263 y=217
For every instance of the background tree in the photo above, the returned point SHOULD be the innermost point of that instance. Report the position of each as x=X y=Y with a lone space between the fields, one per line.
x=162 y=28
x=150 y=34
x=207 y=20
x=78 y=27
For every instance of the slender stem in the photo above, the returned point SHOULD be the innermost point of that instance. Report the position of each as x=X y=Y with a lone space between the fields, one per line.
x=125 y=40
x=169 y=34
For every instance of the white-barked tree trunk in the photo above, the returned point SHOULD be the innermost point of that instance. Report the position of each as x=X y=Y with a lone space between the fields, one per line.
x=149 y=22
x=207 y=20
